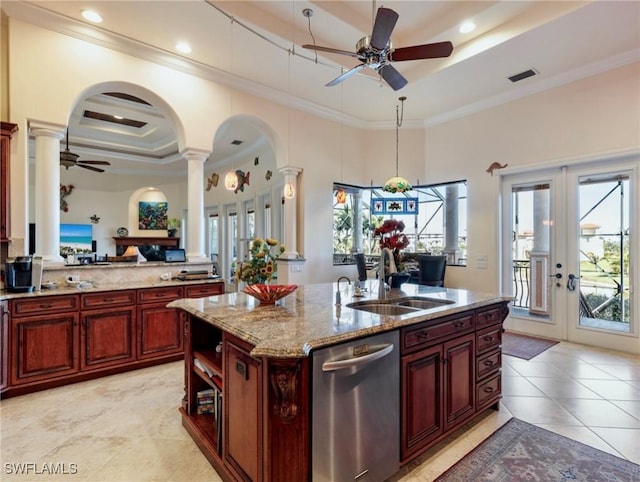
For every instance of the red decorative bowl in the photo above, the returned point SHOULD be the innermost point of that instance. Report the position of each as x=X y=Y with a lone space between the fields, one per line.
x=269 y=294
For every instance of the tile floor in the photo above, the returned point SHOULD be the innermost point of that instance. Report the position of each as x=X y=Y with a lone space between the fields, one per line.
x=127 y=427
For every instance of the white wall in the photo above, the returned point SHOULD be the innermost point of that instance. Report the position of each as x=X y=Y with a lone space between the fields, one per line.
x=49 y=72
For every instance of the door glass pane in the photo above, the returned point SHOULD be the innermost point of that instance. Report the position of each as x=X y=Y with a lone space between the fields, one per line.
x=605 y=254
x=531 y=241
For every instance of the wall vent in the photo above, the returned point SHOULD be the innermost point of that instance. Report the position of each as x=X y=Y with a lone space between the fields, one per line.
x=236 y=142
x=522 y=75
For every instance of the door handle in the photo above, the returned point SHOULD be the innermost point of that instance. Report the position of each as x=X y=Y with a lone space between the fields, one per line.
x=571 y=282
x=331 y=366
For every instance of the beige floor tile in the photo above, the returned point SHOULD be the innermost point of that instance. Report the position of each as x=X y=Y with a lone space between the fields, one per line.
x=612 y=389
x=539 y=410
x=520 y=387
x=599 y=413
x=586 y=371
x=554 y=388
x=535 y=369
x=624 y=440
x=583 y=435
x=623 y=372
x=630 y=406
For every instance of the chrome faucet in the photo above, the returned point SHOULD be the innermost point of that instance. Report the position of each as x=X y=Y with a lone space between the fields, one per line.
x=338 y=298
x=382 y=292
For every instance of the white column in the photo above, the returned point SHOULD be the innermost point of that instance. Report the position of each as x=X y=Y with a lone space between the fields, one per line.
x=47 y=190
x=290 y=213
x=195 y=204
x=451 y=224
x=357 y=222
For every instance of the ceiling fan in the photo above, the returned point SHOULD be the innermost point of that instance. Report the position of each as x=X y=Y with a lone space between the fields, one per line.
x=376 y=52
x=69 y=159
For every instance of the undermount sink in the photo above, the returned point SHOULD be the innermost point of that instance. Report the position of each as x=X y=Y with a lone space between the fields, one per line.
x=399 y=306
x=383 y=308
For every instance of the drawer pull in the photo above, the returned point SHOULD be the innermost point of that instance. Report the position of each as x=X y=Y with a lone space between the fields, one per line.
x=488 y=390
x=488 y=363
x=423 y=335
x=108 y=300
x=46 y=305
x=460 y=324
x=488 y=338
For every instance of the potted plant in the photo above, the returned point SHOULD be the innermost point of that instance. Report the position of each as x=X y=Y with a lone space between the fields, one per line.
x=173 y=224
x=393 y=238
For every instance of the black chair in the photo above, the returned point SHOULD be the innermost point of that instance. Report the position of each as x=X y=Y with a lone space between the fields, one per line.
x=361 y=263
x=431 y=270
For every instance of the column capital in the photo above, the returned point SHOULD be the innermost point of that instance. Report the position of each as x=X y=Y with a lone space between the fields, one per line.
x=290 y=170
x=192 y=154
x=46 y=129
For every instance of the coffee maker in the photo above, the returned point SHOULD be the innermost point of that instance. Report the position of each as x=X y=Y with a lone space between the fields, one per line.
x=18 y=275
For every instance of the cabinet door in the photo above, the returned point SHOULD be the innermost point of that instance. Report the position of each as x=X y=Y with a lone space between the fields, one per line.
x=107 y=337
x=44 y=347
x=459 y=377
x=4 y=344
x=422 y=399
x=160 y=331
x=243 y=412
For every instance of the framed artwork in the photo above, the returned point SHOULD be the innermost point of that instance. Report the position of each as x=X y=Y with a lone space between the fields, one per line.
x=152 y=216
x=76 y=238
x=401 y=205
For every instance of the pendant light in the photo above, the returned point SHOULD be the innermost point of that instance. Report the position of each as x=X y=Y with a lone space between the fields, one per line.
x=231 y=178
x=398 y=184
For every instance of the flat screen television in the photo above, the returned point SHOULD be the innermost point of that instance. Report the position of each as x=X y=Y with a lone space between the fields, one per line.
x=76 y=238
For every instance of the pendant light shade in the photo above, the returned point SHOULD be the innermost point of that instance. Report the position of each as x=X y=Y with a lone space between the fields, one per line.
x=397 y=183
x=289 y=190
x=231 y=181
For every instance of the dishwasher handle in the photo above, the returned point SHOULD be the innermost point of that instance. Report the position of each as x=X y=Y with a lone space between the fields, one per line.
x=332 y=366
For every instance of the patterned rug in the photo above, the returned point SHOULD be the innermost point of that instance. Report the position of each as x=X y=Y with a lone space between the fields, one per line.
x=524 y=346
x=519 y=451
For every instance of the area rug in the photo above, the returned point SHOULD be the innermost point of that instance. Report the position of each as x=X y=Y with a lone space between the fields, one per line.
x=524 y=346
x=519 y=451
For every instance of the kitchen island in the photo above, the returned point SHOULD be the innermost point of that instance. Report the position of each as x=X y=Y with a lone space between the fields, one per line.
x=249 y=376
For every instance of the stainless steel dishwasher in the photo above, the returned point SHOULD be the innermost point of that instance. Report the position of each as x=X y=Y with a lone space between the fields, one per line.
x=356 y=410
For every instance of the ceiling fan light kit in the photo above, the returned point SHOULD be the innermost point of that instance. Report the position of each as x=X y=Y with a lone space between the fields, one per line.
x=377 y=53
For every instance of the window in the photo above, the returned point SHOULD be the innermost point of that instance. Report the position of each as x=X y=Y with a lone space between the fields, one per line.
x=435 y=218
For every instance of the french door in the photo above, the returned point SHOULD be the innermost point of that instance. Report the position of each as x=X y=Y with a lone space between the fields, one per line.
x=570 y=252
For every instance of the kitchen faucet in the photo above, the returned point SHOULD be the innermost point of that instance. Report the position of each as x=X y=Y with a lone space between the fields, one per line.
x=382 y=292
x=338 y=299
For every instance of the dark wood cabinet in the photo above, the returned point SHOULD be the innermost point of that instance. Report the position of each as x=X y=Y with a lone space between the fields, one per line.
x=107 y=337
x=450 y=372
x=243 y=414
x=198 y=291
x=4 y=344
x=160 y=329
x=53 y=340
x=6 y=130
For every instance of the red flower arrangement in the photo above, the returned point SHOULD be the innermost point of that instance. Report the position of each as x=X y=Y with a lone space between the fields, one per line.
x=392 y=237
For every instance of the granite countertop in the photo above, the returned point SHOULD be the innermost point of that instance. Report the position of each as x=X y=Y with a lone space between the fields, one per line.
x=64 y=289
x=309 y=319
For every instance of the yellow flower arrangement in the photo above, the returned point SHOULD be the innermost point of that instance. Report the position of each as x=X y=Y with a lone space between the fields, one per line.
x=262 y=263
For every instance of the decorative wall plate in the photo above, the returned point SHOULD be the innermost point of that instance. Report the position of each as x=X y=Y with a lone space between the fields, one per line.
x=122 y=232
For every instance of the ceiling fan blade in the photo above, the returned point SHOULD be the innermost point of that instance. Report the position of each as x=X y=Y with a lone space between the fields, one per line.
x=329 y=49
x=392 y=77
x=91 y=168
x=426 y=51
x=103 y=163
x=383 y=26
x=346 y=75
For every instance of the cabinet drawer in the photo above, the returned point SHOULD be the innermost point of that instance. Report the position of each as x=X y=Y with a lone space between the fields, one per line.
x=489 y=317
x=43 y=305
x=489 y=391
x=169 y=293
x=210 y=289
x=108 y=298
x=488 y=339
x=488 y=364
x=424 y=335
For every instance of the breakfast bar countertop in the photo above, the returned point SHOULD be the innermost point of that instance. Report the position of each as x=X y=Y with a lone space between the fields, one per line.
x=309 y=318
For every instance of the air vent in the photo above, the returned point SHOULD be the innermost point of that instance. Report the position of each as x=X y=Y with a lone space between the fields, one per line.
x=236 y=142
x=109 y=118
x=522 y=75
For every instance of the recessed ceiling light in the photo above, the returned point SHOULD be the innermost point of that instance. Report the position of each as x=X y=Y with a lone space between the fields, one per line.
x=183 y=47
x=92 y=16
x=119 y=117
x=467 y=27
